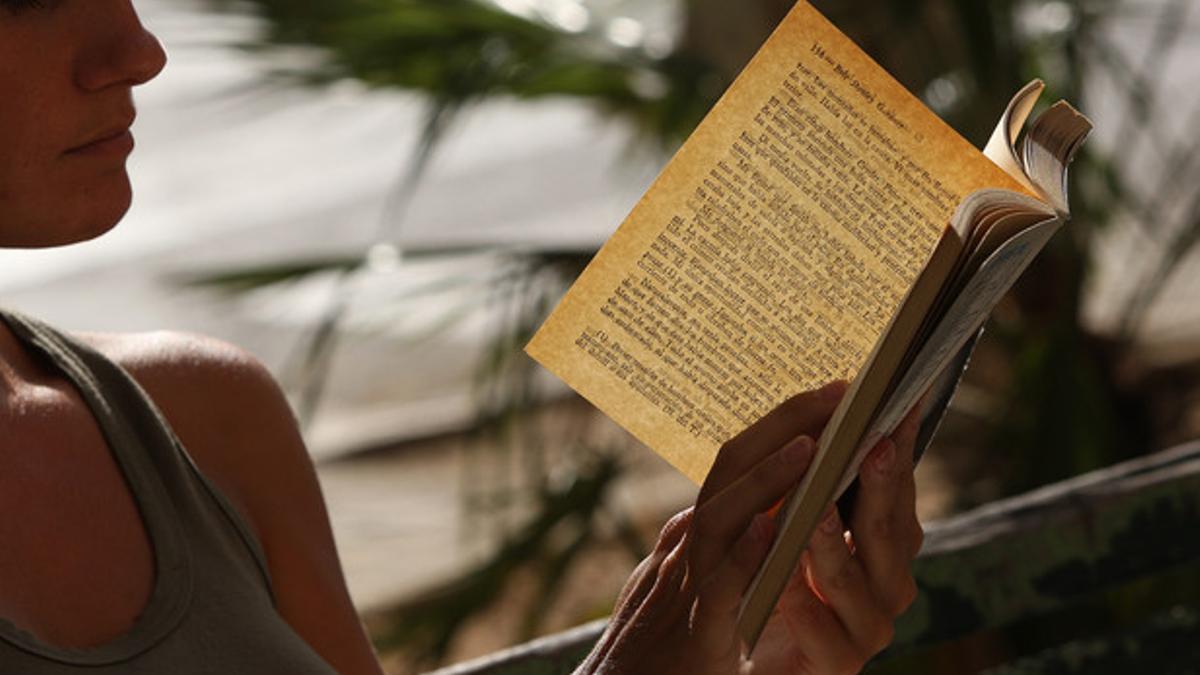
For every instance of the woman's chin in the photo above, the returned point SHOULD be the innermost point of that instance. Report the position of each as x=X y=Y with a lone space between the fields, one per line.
x=71 y=221
x=90 y=230
x=93 y=227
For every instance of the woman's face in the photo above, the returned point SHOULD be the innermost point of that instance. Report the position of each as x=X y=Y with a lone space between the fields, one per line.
x=67 y=71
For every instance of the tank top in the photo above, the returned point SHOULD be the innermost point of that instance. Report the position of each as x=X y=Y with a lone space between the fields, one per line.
x=211 y=609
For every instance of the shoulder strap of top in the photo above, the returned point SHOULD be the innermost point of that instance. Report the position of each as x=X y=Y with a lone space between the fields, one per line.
x=202 y=571
x=161 y=475
x=173 y=575
x=113 y=383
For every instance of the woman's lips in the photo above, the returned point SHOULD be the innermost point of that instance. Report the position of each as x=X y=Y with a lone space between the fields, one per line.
x=119 y=144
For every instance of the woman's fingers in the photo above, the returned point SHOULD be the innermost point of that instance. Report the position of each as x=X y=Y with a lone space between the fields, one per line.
x=643 y=579
x=878 y=540
x=666 y=604
x=817 y=634
x=720 y=596
x=906 y=513
x=884 y=519
x=644 y=574
x=906 y=505
x=803 y=414
x=721 y=520
x=839 y=579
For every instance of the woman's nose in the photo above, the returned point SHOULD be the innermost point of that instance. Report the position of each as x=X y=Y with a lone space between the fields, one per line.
x=123 y=53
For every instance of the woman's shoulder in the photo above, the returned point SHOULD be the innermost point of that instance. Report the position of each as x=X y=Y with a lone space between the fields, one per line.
x=197 y=381
x=221 y=401
x=234 y=420
x=181 y=365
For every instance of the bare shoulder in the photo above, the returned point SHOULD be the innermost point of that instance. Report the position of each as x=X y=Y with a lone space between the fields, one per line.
x=234 y=420
x=221 y=401
x=185 y=367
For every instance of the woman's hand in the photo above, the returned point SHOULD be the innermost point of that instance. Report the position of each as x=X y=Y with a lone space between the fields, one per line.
x=678 y=611
x=839 y=608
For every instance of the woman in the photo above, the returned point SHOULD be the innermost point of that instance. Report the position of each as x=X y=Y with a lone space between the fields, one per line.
x=161 y=512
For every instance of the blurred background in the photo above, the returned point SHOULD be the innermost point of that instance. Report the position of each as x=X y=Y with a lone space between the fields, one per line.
x=382 y=199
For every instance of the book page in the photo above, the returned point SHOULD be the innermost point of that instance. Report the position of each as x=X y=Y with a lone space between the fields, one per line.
x=1001 y=148
x=771 y=252
x=962 y=320
x=1050 y=146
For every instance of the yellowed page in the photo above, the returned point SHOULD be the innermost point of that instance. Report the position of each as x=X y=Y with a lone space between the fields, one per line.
x=770 y=253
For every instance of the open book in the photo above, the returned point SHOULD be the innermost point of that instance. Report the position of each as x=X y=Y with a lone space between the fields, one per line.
x=821 y=223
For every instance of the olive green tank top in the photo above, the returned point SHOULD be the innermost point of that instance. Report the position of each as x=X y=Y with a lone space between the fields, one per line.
x=211 y=609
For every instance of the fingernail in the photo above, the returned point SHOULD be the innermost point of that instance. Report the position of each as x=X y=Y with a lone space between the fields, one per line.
x=833 y=389
x=886 y=457
x=798 y=451
x=831 y=524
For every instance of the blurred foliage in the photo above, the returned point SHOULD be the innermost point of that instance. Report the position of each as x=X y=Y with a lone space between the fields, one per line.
x=564 y=524
x=463 y=51
x=1164 y=644
x=1060 y=399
